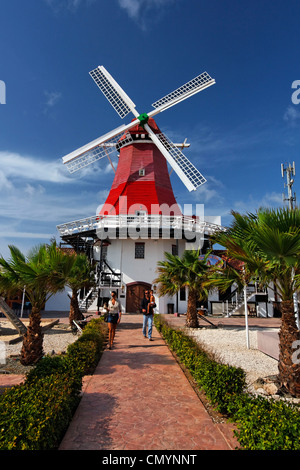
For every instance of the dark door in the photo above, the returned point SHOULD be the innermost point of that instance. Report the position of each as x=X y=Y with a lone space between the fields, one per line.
x=134 y=294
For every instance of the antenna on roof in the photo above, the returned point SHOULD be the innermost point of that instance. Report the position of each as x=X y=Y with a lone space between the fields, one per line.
x=290 y=171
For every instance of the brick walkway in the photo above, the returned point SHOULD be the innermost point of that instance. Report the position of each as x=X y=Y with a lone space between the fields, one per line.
x=139 y=399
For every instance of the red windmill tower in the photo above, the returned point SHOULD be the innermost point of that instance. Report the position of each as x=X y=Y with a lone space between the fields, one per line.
x=142 y=181
x=141 y=186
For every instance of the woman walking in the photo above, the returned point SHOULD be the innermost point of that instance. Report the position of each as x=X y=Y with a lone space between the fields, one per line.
x=114 y=317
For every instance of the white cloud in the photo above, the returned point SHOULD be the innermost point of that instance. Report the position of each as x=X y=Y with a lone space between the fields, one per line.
x=12 y=234
x=138 y=10
x=132 y=7
x=14 y=165
x=211 y=191
x=252 y=204
x=5 y=184
x=70 y=5
x=34 y=190
x=52 y=97
x=292 y=116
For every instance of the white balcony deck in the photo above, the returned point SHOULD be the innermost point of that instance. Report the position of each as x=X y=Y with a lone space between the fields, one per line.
x=139 y=224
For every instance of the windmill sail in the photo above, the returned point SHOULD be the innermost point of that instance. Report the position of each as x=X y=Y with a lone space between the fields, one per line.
x=186 y=171
x=97 y=152
x=105 y=145
x=117 y=97
x=194 y=176
x=185 y=91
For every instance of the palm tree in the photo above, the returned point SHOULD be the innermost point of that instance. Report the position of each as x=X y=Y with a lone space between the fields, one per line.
x=81 y=276
x=269 y=245
x=43 y=272
x=186 y=271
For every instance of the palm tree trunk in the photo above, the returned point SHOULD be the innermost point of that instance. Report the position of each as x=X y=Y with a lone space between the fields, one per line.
x=289 y=366
x=75 y=313
x=191 y=313
x=32 y=349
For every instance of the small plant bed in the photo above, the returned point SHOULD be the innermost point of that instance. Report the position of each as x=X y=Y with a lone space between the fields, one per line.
x=261 y=423
x=35 y=415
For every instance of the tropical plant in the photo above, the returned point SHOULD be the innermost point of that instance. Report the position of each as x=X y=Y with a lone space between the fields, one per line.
x=43 y=271
x=186 y=271
x=268 y=243
x=80 y=276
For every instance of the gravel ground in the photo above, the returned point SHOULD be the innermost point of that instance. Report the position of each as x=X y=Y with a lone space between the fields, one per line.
x=56 y=340
x=230 y=347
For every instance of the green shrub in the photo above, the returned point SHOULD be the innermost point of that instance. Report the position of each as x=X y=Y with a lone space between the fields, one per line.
x=36 y=414
x=85 y=353
x=49 y=365
x=83 y=356
x=266 y=424
x=219 y=381
x=262 y=424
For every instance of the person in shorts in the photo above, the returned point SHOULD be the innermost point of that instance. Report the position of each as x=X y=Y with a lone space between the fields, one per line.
x=114 y=317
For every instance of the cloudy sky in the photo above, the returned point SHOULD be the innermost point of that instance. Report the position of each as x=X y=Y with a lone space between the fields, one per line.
x=240 y=130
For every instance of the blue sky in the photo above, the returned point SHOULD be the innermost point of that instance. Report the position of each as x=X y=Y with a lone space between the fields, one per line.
x=240 y=129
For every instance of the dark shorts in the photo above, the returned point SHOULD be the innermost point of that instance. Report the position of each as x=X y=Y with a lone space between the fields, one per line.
x=113 y=318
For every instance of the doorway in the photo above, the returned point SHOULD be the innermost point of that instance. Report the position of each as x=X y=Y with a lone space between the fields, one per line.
x=134 y=294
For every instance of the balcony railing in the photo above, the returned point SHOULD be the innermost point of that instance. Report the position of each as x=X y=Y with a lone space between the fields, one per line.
x=125 y=223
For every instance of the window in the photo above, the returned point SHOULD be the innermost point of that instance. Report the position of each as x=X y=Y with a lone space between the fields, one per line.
x=142 y=172
x=182 y=295
x=140 y=250
x=174 y=250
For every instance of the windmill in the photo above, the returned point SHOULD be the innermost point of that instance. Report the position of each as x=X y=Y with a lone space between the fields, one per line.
x=126 y=238
x=115 y=139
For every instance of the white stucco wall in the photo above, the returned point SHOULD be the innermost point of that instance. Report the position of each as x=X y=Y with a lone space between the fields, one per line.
x=121 y=258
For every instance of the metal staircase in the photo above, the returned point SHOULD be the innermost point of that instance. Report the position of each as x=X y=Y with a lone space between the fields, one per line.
x=108 y=277
x=235 y=300
x=88 y=299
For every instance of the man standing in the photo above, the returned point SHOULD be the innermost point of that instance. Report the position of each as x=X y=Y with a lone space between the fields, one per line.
x=147 y=317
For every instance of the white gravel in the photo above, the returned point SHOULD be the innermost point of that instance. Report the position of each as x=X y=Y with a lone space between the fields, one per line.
x=56 y=339
x=230 y=347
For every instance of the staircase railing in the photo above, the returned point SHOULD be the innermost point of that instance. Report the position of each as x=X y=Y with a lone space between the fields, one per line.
x=109 y=277
x=235 y=300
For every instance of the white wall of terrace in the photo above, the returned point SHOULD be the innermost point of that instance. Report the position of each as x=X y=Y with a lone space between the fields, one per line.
x=122 y=226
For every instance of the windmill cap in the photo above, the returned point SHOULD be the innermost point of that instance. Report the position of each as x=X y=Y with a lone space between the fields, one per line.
x=139 y=129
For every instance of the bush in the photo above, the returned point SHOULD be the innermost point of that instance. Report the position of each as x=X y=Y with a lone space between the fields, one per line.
x=36 y=414
x=219 y=381
x=262 y=424
x=85 y=353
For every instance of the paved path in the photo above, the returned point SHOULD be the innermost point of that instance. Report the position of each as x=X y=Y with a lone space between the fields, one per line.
x=139 y=399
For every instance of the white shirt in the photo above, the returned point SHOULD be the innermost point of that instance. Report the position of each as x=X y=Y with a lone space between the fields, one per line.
x=113 y=308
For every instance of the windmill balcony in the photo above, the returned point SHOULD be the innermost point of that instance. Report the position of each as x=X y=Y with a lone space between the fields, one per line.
x=140 y=226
